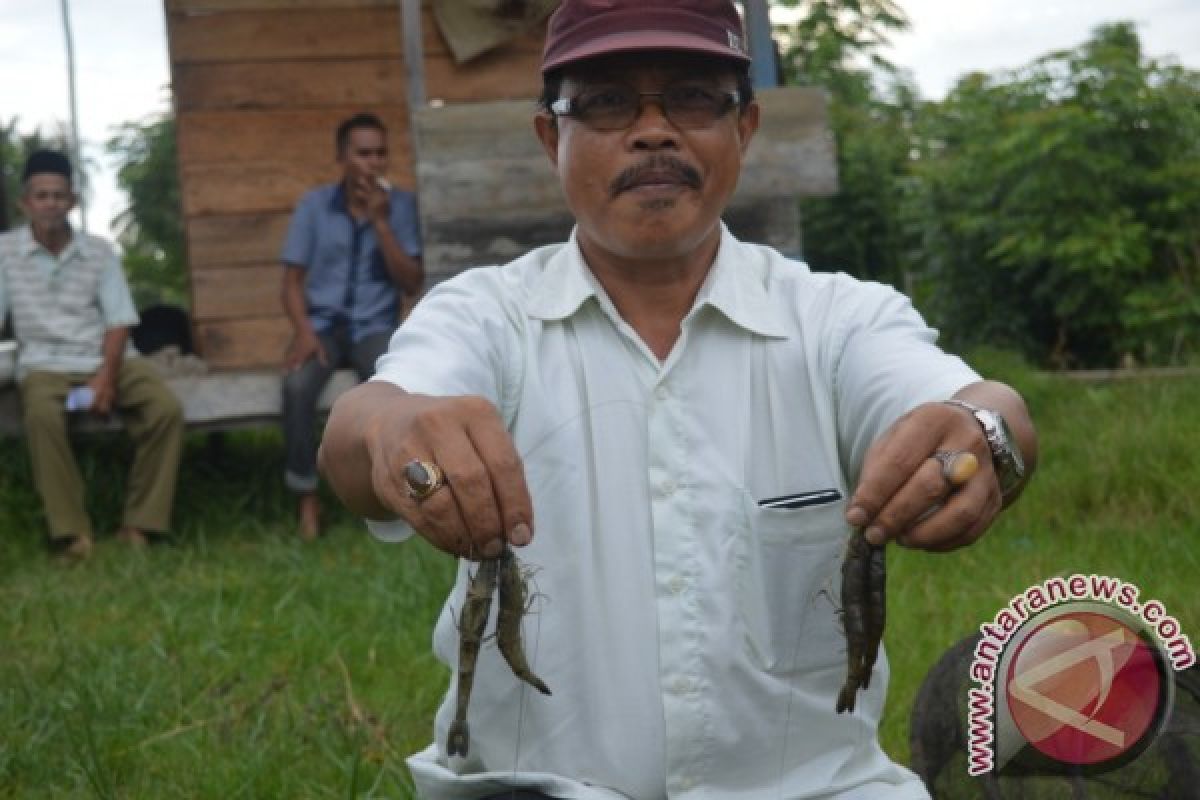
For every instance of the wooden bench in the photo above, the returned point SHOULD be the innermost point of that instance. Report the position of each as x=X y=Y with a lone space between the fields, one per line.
x=213 y=402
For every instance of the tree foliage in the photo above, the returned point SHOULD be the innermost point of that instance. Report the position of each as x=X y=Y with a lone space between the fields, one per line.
x=836 y=46
x=1059 y=206
x=861 y=228
x=150 y=230
x=1054 y=208
x=831 y=36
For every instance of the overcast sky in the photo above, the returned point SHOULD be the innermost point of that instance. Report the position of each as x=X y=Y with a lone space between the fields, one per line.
x=123 y=74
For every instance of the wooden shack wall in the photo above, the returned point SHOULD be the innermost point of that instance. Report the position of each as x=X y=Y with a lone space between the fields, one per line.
x=259 y=88
x=466 y=147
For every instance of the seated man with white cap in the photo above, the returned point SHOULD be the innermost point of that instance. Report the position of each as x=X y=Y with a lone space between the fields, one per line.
x=72 y=313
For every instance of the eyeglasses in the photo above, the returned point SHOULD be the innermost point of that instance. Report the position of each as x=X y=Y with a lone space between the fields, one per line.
x=614 y=108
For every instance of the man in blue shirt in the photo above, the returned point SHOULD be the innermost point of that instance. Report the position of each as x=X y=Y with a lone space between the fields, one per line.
x=353 y=250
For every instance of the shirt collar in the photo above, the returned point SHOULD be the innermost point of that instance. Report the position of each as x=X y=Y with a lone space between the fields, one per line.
x=31 y=246
x=337 y=199
x=735 y=286
x=565 y=285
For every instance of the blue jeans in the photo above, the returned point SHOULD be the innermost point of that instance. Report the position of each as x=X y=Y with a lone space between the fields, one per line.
x=301 y=390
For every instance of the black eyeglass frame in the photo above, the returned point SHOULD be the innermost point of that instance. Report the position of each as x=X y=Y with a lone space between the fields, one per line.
x=567 y=107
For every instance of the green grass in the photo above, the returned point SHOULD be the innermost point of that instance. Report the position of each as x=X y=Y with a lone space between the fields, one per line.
x=243 y=663
x=238 y=663
x=1117 y=493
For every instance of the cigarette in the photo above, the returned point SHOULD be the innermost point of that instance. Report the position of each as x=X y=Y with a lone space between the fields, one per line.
x=383 y=183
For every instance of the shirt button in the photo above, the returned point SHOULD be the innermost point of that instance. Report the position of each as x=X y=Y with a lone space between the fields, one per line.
x=661 y=393
x=681 y=685
x=677 y=584
x=668 y=488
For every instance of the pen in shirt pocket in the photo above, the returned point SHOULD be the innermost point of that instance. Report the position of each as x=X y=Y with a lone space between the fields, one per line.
x=802 y=500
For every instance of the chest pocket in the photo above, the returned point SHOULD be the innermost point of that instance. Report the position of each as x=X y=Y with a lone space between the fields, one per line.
x=75 y=292
x=333 y=254
x=788 y=585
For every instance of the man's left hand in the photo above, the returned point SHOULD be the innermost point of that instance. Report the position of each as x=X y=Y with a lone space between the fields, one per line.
x=903 y=494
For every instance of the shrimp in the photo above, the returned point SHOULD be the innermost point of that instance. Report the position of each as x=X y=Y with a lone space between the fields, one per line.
x=864 y=596
x=505 y=571
x=513 y=605
x=471 y=625
x=876 y=608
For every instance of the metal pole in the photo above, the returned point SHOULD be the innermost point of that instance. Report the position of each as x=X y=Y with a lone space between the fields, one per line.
x=414 y=53
x=77 y=143
x=3 y=186
x=762 y=47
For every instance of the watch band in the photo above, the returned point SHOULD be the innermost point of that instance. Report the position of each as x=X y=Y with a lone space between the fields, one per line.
x=1006 y=454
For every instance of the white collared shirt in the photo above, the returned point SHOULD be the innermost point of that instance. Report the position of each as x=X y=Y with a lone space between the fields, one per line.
x=689 y=636
x=62 y=304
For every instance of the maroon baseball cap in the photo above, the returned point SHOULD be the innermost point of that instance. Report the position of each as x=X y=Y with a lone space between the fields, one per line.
x=582 y=29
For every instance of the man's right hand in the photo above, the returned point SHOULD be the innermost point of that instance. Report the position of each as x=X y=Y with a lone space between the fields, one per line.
x=485 y=501
x=304 y=346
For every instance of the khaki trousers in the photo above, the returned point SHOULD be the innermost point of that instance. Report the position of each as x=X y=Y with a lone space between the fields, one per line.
x=154 y=420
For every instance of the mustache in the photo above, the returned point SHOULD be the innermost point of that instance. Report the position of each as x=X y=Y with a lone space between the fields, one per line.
x=656 y=168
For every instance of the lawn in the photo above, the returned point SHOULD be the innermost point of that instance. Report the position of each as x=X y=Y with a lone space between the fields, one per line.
x=240 y=662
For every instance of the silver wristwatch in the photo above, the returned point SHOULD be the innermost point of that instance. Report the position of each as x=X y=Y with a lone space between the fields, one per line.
x=1006 y=454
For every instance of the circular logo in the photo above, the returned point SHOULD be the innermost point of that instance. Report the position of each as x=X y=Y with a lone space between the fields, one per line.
x=1086 y=688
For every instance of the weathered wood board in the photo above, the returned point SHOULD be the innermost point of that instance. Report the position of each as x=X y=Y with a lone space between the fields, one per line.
x=503 y=74
x=232 y=344
x=221 y=241
x=260 y=86
x=246 y=188
x=290 y=85
x=277 y=34
x=202 y=6
x=236 y=292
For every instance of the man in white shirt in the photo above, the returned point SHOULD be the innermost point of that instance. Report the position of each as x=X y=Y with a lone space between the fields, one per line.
x=72 y=312
x=635 y=395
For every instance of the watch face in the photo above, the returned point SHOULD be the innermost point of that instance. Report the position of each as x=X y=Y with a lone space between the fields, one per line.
x=1006 y=454
x=1010 y=443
